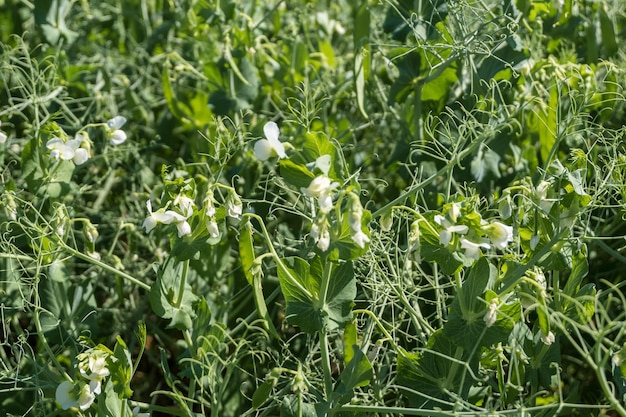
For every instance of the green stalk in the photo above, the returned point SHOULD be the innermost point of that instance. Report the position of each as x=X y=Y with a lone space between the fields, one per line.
x=328 y=378
x=279 y=262
x=183 y=281
x=104 y=266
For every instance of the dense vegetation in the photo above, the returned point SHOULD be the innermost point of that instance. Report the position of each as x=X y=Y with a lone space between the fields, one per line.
x=305 y=208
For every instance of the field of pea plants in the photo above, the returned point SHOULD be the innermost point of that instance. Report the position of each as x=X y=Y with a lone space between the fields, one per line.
x=312 y=208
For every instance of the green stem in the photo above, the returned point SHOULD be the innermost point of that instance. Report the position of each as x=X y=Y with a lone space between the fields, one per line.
x=380 y=326
x=183 y=282
x=104 y=266
x=279 y=262
x=328 y=378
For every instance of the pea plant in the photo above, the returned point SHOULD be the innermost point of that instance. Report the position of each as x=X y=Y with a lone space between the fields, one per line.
x=312 y=208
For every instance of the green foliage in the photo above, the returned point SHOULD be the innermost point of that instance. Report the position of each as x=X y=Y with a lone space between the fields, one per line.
x=390 y=208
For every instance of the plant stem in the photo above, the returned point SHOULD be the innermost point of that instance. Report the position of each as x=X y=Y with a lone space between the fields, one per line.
x=104 y=266
x=183 y=282
x=328 y=378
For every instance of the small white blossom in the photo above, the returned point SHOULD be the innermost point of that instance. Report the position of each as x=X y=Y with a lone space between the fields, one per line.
x=492 y=313
x=548 y=339
x=454 y=212
x=323 y=242
x=500 y=234
x=70 y=150
x=185 y=205
x=322 y=163
x=117 y=135
x=265 y=148
x=234 y=207
x=445 y=235
x=321 y=187
x=472 y=249
x=166 y=217
x=361 y=239
x=213 y=228
x=69 y=394
x=95 y=369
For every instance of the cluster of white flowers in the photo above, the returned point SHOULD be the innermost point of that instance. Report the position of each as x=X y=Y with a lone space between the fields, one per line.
x=355 y=218
x=498 y=234
x=78 y=149
x=180 y=210
x=321 y=188
x=164 y=216
x=82 y=393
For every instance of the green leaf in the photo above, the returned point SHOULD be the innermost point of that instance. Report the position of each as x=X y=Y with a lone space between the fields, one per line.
x=408 y=62
x=246 y=248
x=607 y=30
x=580 y=268
x=435 y=371
x=301 y=286
x=167 y=301
x=121 y=369
x=262 y=393
x=297 y=175
x=432 y=251
x=582 y=307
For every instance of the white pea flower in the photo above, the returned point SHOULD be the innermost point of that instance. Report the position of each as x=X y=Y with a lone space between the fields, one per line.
x=97 y=367
x=541 y=193
x=69 y=394
x=320 y=235
x=91 y=232
x=265 y=148
x=492 y=313
x=454 y=212
x=68 y=150
x=185 y=205
x=117 y=135
x=234 y=207
x=210 y=206
x=548 y=339
x=500 y=234
x=166 y=217
x=3 y=136
x=321 y=187
x=445 y=236
x=323 y=242
x=322 y=163
x=472 y=249
x=213 y=228
x=361 y=239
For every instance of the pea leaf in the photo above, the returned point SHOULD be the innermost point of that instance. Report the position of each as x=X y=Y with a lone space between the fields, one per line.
x=166 y=299
x=307 y=305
